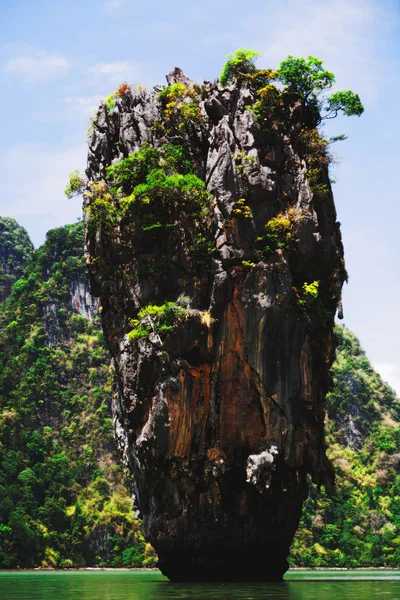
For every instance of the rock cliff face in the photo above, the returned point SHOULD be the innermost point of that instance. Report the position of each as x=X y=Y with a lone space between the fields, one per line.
x=219 y=414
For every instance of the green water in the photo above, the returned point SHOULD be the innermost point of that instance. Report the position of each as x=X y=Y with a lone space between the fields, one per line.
x=151 y=585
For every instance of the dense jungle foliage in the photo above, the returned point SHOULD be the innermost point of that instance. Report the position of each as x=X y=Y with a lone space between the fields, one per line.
x=359 y=525
x=63 y=496
x=15 y=252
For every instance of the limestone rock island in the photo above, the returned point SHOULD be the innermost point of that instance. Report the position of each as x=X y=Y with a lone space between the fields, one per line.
x=213 y=245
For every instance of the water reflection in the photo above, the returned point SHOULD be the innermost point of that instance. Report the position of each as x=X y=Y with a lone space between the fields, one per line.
x=128 y=585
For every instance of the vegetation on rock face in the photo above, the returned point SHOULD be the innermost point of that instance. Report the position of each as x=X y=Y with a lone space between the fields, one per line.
x=155 y=196
x=15 y=252
x=156 y=319
x=181 y=108
x=305 y=79
x=158 y=191
x=76 y=185
x=151 y=187
x=276 y=236
x=359 y=525
x=63 y=497
x=293 y=101
x=239 y=63
x=121 y=92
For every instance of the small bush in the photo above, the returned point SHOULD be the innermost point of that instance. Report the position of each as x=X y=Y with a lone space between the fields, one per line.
x=277 y=235
x=181 y=108
x=119 y=93
x=123 y=89
x=76 y=185
x=308 y=295
x=269 y=100
x=242 y=210
x=157 y=319
x=239 y=63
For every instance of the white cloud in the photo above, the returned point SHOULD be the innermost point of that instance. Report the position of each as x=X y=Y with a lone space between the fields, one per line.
x=348 y=36
x=111 y=5
x=390 y=373
x=33 y=179
x=115 y=71
x=84 y=104
x=37 y=65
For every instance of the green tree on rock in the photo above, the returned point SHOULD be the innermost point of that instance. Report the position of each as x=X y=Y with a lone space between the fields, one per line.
x=303 y=78
x=240 y=62
x=307 y=79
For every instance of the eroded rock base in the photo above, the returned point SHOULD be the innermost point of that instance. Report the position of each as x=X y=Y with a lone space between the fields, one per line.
x=247 y=564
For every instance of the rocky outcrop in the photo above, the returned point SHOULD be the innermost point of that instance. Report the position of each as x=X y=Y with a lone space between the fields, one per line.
x=82 y=301
x=220 y=418
x=78 y=300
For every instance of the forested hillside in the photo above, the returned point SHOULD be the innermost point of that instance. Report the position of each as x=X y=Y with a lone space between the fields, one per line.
x=359 y=526
x=16 y=250
x=64 y=498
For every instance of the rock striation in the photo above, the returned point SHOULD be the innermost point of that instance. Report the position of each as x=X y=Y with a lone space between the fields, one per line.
x=219 y=416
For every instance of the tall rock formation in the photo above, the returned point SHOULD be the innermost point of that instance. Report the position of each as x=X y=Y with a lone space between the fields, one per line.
x=213 y=245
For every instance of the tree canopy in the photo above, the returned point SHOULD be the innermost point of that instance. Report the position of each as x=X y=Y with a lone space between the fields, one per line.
x=239 y=63
x=307 y=79
x=304 y=78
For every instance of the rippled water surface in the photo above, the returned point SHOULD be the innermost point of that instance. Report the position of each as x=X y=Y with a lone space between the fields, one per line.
x=151 y=585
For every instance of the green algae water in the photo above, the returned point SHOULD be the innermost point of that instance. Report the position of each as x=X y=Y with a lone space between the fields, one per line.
x=151 y=585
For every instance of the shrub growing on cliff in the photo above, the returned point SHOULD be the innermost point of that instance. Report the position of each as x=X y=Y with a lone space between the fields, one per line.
x=181 y=105
x=239 y=63
x=160 y=200
x=76 y=185
x=157 y=319
x=276 y=236
x=309 y=81
x=304 y=78
x=122 y=91
x=156 y=189
x=308 y=295
x=133 y=169
x=241 y=210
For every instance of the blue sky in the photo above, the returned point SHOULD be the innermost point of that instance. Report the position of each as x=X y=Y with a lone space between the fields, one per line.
x=58 y=58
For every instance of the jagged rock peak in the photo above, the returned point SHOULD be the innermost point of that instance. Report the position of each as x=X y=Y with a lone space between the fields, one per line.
x=178 y=76
x=212 y=241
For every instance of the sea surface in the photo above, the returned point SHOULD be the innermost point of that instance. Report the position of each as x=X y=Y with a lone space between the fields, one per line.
x=151 y=585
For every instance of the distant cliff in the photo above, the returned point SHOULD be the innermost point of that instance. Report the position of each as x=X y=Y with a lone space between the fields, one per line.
x=212 y=242
x=63 y=497
x=16 y=250
x=359 y=525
